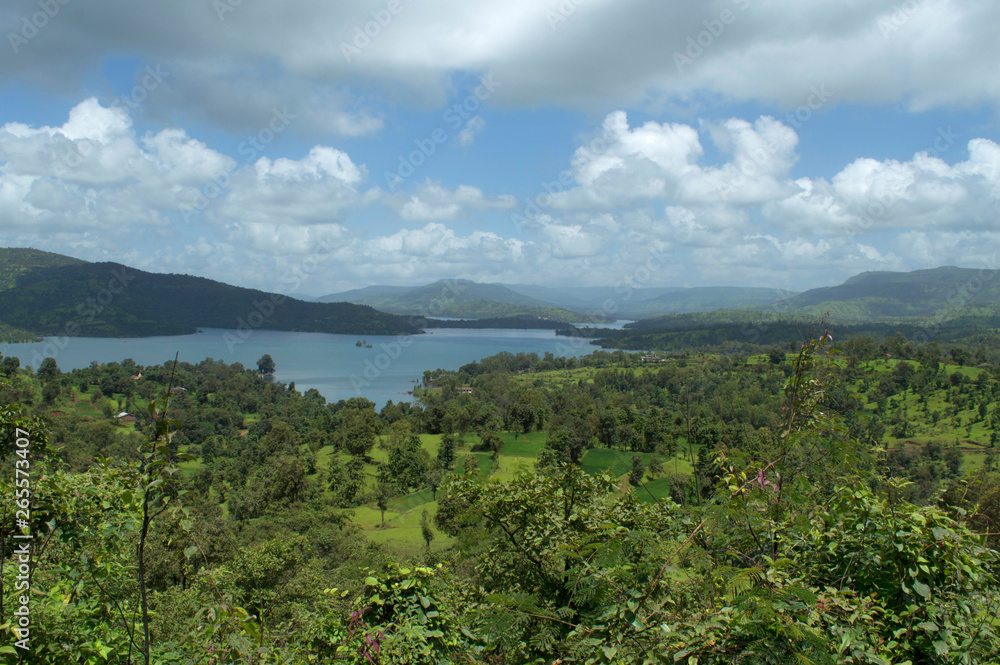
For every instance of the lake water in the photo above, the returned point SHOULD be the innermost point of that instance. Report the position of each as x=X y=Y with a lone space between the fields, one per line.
x=333 y=364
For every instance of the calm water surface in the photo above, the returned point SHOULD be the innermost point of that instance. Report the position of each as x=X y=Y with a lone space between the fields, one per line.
x=333 y=364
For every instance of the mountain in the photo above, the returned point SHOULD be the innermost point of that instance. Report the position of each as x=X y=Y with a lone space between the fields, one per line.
x=70 y=297
x=637 y=303
x=461 y=299
x=17 y=261
x=893 y=295
x=466 y=299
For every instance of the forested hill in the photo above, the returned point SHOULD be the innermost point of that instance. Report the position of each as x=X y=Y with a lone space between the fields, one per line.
x=461 y=299
x=113 y=300
x=882 y=295
x=17 y=261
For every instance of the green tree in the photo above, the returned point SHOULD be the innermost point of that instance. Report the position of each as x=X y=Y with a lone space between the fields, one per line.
x=637 y=472
x=266 y=365
x=446 y=453
x=655 y=466
x=358 y=426
x=407 y=464
x=48 y=369
x=10 y=365
x=385 y=490
x=425 y=529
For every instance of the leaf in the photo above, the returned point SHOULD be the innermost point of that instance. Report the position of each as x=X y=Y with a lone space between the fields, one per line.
x=190 y=551
x=922 y=589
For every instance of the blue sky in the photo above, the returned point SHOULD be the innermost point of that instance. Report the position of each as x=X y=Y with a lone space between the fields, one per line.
x=310 y=148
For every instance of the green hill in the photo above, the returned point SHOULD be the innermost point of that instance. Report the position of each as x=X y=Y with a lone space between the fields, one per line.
x=637 y=303
x=113 y=300
x=890 y=295
x=17 y=261
x=461 y=299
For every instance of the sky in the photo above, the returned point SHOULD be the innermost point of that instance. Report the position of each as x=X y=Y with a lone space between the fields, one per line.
x=310 y=147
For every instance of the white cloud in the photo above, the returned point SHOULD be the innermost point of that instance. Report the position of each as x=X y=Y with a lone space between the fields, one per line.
x=473 y=126
x=432 y=202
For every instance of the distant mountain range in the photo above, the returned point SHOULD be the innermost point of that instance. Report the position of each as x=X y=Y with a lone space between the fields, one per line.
x=461 y=299
x=50 y=294
x=466 y=299
x=942 y=304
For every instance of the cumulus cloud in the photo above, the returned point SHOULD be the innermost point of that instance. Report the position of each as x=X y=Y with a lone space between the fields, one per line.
x=432 y=202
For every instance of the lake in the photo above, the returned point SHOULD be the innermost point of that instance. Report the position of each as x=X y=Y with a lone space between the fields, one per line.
x=333 y=364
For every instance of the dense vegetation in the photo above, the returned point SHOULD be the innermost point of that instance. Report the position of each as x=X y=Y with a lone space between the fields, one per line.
x=774 y=508
x=741 y=332
x=112 y=300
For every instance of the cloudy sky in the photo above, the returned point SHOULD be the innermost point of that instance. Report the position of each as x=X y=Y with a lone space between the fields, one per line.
x=309 y=146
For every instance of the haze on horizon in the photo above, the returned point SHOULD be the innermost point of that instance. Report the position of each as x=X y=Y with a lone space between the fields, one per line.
x=785 y=144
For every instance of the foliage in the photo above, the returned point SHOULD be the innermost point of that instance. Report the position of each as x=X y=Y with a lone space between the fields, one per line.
x=49 y=295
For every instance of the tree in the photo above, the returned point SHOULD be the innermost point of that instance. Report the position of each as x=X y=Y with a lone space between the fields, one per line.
x=655 y=466
x=434 y=479
x=266 y=365
x=385 y=490
x=347 y=481
x=48 y=369
x=358 y=426
x=425 y=529
x=50 y=392
x=635 y=475
x=10 y=365
x=407 y=464
x=776 y=356
x=446 y=453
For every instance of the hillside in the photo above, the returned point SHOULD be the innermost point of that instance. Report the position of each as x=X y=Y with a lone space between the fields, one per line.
x=887 y=295
x=461 y=299
x=113 y=300
x=518 y=492
x=17 y=261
